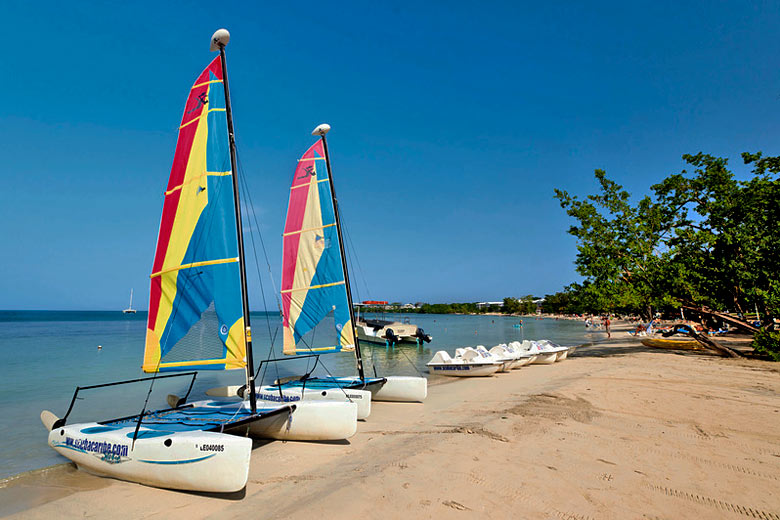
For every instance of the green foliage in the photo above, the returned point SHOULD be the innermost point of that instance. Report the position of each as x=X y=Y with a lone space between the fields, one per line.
x=512 y=306
x=527 y=305
x=571 y=300
x=620 y=247
x=767 y=343
x=699 y=238
x=451 y=308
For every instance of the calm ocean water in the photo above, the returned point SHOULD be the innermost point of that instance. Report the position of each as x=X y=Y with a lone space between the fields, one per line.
x=46 y=354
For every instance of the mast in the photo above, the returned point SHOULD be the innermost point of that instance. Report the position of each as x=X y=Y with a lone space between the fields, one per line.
x=321 y=130
x=131 y=299
x=218 y=41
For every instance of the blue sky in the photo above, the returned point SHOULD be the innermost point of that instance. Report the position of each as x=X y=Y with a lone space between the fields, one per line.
x=452 y=124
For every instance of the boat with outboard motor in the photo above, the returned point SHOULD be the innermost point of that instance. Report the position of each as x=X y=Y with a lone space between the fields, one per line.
x=198 y=319
x=390 y=333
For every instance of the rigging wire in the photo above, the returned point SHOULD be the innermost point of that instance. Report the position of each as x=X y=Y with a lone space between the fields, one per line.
x=250 y=209
x=351 y=253
x=248 y=203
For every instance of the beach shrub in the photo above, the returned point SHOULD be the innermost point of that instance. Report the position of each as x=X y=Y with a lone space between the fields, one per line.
x=767 y=343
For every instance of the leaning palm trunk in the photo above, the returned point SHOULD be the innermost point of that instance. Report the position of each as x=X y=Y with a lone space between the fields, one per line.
x=705 y=341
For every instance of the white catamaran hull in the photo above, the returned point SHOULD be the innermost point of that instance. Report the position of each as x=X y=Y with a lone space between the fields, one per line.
x=464 y=369
x=361 y=398
x=192 y=460
x=403 y=389
x=563 y=354
x=269 y=395
x=311 y=421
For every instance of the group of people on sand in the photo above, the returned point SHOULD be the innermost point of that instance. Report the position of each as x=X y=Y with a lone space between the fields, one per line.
x=605 y=322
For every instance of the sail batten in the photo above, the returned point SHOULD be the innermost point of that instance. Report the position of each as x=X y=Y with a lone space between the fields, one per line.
x=309 y=229
x=313 y=284
x=321 y=286
x=195 y=307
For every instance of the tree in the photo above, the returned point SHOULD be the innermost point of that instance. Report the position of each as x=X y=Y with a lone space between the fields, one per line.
x=512 y=305
x=620 y=246
x=727 y=238
x=701 y=239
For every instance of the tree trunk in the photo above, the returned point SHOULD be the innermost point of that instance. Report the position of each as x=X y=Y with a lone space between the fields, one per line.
x=703 y=340
x=740 y=324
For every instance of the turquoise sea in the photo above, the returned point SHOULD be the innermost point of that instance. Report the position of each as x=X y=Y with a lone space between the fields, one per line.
x=46 y=354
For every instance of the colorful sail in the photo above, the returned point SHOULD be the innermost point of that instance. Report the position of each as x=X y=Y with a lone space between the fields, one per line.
x=313 y=283
x=195 y=310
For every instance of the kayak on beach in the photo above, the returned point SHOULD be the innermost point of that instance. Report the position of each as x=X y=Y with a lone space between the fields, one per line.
x=677 y=344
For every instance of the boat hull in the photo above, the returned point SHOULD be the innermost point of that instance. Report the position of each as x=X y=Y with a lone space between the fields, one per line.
x=370 y=384
x=362 y=398
x=378 y=340
x=506 y=365
x=190 y=460
x=563 y=354
x=464 y=369
x=546 y=358
x=310 y=421
x=676 y=344
x=403 y=389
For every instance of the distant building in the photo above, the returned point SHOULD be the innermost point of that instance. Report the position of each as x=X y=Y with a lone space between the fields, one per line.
x=482 y=305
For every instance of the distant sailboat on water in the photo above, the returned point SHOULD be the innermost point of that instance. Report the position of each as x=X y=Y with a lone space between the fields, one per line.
x=130 y=309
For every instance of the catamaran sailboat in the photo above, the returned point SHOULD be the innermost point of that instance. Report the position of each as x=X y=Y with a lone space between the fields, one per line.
x=130 y=309
x=198 y=320
x=315 y=280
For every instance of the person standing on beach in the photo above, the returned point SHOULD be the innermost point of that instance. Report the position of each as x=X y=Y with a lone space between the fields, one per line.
x=606 y=326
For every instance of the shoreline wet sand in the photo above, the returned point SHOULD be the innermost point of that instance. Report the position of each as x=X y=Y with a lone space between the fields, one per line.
x=618 y=430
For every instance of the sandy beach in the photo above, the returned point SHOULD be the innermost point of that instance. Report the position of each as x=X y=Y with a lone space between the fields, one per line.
x=616 y=431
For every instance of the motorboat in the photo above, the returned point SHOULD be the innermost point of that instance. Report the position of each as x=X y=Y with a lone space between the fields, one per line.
x=390 y=332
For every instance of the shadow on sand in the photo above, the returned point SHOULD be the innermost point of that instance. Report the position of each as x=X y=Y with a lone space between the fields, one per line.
x=618 y=347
